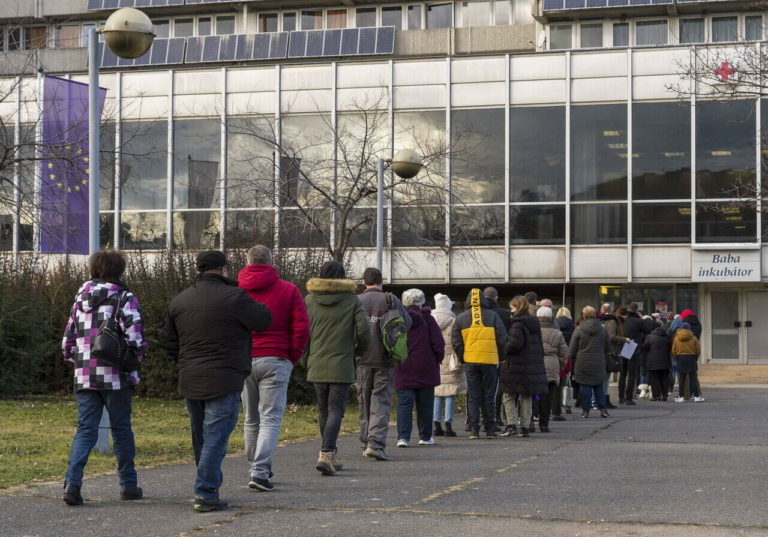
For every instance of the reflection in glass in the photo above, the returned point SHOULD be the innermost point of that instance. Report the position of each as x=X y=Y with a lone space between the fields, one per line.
x=365 y=17
x=725 y=29
x=312 y=20
x=225 y=25
x=621 y=34
x=537 y=154
x=301 y=231
x=599 y=152
x=477 y=226
x=753 y=28
x=360 y=229
x=392 y=16
x=475 y=14
x=477 y=156
x=439 y=15
x=501 y=8
x=197 y=151
x=651 y=33
x=337 y=18
x=661 y=223
x=560 y=37
x=591 y=35
x=307 y=168
x=162 y=28
x=691 y=30
x=537 y=224
x=250 y=162
x=418 y=226
x=204 y=26
x=725 y=149
x=196 y=230
x=661 y=167
x=6 y=232
x=414 y=17
x=248 y=228
x=142 y=231
x=725 y=222
x=425 y=133
x=267 y=22
x=144 y=164
x=107 y=166
x=183 y=27
x=599 y=224
x=106 y=230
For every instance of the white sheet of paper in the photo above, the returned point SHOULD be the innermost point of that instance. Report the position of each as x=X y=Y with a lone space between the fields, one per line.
x=628 y=350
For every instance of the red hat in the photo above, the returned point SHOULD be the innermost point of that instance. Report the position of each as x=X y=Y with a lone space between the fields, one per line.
x=686 y=313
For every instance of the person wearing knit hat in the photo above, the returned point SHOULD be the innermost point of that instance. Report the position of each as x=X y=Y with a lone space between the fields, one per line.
x=452 y=378
x=555 y=361
x=686 y=350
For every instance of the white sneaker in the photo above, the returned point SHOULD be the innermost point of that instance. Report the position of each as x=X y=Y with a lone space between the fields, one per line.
x=430 y=442
x=402 y=443
x=698 y=399
x=679 y=399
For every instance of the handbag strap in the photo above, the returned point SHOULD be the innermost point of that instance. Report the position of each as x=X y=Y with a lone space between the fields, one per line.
x=118 y=301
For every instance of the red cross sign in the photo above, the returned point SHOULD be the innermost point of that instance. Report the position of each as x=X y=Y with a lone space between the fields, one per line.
x=725 y=72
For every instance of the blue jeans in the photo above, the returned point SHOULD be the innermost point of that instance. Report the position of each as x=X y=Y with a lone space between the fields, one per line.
x=264 y=396
x=450 y=406
x=90 y=404
x=643 y=375
x=586 y=397
x=672 y=374
x=212 y=422
x=423 y=399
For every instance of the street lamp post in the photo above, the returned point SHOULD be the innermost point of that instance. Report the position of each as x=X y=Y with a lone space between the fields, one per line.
x=129 y=34
x=406 y=164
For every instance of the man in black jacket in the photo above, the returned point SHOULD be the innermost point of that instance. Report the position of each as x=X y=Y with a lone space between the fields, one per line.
x=492 y=297
x=635 y=328
x=208 y=331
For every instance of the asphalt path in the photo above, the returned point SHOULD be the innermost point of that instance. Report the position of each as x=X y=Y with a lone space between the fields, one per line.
x=653 y=469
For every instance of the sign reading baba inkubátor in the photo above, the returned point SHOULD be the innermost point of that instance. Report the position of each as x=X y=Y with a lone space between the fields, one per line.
x=719 y=266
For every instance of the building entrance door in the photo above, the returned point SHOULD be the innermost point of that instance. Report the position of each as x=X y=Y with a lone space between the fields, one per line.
x=739 y=326
x=756 y=327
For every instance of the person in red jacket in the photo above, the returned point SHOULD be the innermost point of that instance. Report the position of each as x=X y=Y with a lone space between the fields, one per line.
x=274 y=353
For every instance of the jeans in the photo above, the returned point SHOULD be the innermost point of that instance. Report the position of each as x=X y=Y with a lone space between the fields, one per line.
x=374 y=385
x=643 y=375
x=212 y=422
x=423 y=399
x=518 y=412
x=586 y=397
x=628 y=378
x=694 y=387
x=672 y=374
x=482 y=380
x=90 y=404
x=264 y=397
x=450 y=406
x=332 y=402
x=547 y=404
x=659 y=379
x=606 y=387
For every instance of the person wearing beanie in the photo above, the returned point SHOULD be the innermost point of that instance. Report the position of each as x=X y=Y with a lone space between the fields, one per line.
x=686 y=350
x=689 y=317
x=209 y=331
x=338 y=331
x=416 y=378
x=555 y=361
x=452 y=378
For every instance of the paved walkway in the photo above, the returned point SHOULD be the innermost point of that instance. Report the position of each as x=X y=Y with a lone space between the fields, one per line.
x=653 y=469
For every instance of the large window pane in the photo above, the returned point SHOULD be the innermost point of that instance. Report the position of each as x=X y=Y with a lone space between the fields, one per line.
x=501 y=16
x=392 y=16
x=107 y=230
x=439 y=15
x=537 y=224
x=312 y=20
x=599 y=224
x=250 y=162
x=621 y=34
x=204 y=26
x=725 y=149
x=475 y=14
x=414 y=17
x=651 y=33
x=560 y=37
x=753 y=28
x=691 y=30
x=661 y=223
x=425 y=133
x=248 y=228
x=725 y=29
x=144 y=170
x=599 y=152
x=197 y=152
x=418 y=226
x=724 y=222
x=365 y=17
x=225 y=25
x=537 y=154
x=477 y=156
x=360 y=228
x=661 y=167
x=36 y=37
x=337 y=18
x=308 y=142
x=162 y=28
x=142 y=231
x=477 y=226
x=591 y=35
x=267 y=22
x=196 y=230
x=298 y=230
x=289 y=22
x=183 y=27
x=67 y=36
x=107 y=166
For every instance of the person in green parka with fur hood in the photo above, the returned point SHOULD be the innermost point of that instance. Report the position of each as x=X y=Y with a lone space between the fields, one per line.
x=338 y=331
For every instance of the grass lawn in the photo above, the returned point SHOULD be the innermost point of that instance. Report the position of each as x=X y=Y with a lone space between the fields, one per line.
x=36 y=434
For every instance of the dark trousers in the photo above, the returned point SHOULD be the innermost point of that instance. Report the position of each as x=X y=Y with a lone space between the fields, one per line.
x=547 y=404
x=332 y=402
x=659 y=380
x=481 y=392
x=628 y=378
x=556 y=398
x=693 y=380
x=424 y=401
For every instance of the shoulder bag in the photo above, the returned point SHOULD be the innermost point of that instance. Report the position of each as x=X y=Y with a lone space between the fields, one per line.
x=110 y=345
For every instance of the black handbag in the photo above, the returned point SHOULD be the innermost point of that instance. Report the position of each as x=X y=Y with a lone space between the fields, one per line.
x=612 y=364
x=110 y=345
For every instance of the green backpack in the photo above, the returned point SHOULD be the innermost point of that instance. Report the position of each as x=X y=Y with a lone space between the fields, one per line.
x=394 y=333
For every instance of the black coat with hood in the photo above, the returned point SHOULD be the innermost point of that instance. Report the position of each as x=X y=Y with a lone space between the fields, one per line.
x=567 y=327
x=657 y=348
x=523 y=371
x=589 y=346
x=693 y=320
x=504 y=314
x=636 y=329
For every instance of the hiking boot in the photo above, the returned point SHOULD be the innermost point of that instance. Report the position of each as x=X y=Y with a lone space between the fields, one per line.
x=475 y=434
x=336 y=461
x=511 y=430
x=524 y=433
x=206 y=505
x=260 y=484
x=131 y=494
x=376 y=453
x=72 y=494
x=438 y=430
x=325 y=463
x=449 y=432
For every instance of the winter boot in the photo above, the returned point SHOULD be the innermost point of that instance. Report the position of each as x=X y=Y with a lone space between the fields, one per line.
x=608 y=402
x=438 y=430
x=336 y=461
x=449 y=433
x=643 y=391
x=524 y=433
x=325 y=463
x=72 y=494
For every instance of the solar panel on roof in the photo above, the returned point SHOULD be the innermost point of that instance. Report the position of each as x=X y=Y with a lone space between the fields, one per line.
x=194 y=50
x=298 y=45
x=211 y=48
x=349 y=40
x=385 y=42
x=94 y=4
x=176 y=50
x=278 y=48
x=159 y=51
x=315 y=43
x=228 y=47
x=332 y=45
x=261 y=46
x=367 y=44
x=244 y=49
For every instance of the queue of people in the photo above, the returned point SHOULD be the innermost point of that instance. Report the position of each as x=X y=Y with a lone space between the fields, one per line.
x=238 y=342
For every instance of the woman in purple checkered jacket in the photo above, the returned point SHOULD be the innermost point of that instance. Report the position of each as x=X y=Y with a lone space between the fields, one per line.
x=98 y=385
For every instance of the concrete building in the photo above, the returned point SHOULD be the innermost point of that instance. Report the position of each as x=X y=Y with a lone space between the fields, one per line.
x=596 y=176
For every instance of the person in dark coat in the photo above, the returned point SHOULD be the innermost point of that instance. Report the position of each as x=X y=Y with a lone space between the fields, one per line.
x=523 y=373
x=615 y=328
x=492 y=297
x=565 y=323
x=635 y=328
x=657 y=347
x=689 y=317
x=416 y=378
x=209 y=332
x=589 y=346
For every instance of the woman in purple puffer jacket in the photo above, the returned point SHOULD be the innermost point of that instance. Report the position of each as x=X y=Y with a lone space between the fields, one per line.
x=416 y=378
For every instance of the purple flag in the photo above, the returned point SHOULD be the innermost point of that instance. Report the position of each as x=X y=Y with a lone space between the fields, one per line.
x=66 y=168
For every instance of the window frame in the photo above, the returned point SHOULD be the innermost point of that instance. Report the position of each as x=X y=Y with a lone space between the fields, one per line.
x=215 y=25
x=194 y=25
x=376 y=14
x=491 y=13
x=279 y=16
x=739 y=27
x=549 y=35
x=633 y=35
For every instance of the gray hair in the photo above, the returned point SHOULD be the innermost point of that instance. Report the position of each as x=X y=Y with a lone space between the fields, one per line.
x=491 y=292
x=607 y=308
x=259 y=255
x=414 y=297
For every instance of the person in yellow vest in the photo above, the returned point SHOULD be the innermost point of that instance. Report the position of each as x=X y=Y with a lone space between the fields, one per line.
x=479 y=339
